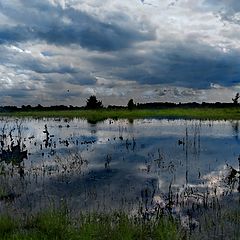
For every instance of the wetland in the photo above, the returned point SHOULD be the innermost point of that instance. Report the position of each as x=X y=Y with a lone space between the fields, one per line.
x=185 y=169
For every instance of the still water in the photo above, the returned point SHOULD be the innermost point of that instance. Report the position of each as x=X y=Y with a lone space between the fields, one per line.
x=115 y=164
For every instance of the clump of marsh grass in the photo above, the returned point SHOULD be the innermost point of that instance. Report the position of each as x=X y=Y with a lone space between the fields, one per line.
x=7 y=226
x=221 y=221
x=59 y=225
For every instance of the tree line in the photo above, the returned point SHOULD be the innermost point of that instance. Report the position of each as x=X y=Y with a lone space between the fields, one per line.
x=93 y=103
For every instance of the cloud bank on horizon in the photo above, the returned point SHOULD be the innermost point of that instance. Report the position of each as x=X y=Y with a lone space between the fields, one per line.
x=62 y=51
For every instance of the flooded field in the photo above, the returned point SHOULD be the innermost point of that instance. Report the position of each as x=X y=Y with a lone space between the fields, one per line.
x=140 y=166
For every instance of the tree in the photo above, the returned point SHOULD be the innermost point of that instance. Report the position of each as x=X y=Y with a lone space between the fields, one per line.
x=93 y=103
x=131 y=104
x=235 y=99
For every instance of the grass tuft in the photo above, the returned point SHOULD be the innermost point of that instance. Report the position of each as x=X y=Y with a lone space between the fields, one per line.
x=118 y=226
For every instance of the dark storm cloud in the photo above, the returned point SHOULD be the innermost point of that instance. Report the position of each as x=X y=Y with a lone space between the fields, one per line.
x=189 y=64
x=46 y=22
x=14 y=34
x=225 y=5
x=118 y=48
x=185 y=67
x=45 y=68
x=81 y=78
x=16 y=93
x=226 y=9
x=21 y=60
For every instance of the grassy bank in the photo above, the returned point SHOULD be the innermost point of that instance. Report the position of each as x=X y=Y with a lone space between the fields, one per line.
x=57 y=225
x=99 y=115
x=222 y=223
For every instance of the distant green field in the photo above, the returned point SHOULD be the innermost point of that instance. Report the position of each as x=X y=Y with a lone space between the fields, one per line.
x=99 y=115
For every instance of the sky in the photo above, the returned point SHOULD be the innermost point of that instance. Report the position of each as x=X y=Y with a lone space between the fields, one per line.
x=62 y=51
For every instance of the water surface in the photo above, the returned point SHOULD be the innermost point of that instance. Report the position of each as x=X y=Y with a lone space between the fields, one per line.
x=116 y=164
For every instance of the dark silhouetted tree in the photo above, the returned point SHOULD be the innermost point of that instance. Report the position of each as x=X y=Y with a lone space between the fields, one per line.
x=93 y=103
x=39 y=107
x=26 y=108
x=131 y=104
x=235 y=99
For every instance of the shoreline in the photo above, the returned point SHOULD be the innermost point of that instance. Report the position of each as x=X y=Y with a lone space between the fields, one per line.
x=103 y=114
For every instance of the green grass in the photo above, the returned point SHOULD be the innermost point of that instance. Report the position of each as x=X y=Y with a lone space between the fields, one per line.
x=117 y=226
x=3 y=192
x=58 y=225
x=99 y=115
x=222 y=223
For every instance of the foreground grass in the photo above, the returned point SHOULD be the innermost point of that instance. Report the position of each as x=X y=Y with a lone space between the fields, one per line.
x=220 y=223
x=56 y=225
x=99 y=115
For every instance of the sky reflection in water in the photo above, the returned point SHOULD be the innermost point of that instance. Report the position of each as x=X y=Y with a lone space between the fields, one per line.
x=116 y=164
